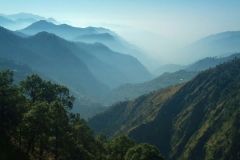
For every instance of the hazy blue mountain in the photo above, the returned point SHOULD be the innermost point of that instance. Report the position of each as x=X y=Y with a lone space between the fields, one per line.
x=116 y=43
x=87 y=35
x=21 y=20
x=95 y=37
x=113 y=41
x=63 y=30
x=111 y=67
x=131 y=91
x=20 y=34
x=49 y=54
x=220 y=44
x=88 y=66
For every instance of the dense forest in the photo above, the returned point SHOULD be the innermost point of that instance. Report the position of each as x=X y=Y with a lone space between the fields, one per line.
x=36 y=123
x=198 y=120
x=122 y=117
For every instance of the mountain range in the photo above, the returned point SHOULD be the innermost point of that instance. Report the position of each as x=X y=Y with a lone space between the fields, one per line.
x=198 y=120
x=63 y=30
x=188 y=111
x=49 y=54
x=219 y=44
x=89 y=70
x=21 y=20
x=186 y=73
x=87 y=35
x=83 y=105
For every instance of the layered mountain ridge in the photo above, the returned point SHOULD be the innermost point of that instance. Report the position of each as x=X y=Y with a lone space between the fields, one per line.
x=199 y=121
x=90 y=70
x=186 y=73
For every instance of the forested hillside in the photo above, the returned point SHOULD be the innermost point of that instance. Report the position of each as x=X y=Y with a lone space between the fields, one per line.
x=36 y=123
x=124 y=116
x=200 y=121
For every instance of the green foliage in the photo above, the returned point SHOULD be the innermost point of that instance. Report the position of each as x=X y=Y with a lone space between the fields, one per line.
x=11 y=104
x=118 y=147
x=37 y=89
x=122 y=117
x=36 y=123
x=143 y=152
x=201 y=120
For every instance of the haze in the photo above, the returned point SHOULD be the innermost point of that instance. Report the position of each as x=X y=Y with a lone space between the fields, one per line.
x=159 y=27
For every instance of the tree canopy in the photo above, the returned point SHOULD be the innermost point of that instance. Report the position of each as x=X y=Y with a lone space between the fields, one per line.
x=36 y=122
x=143 y=152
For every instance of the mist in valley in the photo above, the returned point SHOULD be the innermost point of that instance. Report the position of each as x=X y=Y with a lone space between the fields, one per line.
x=119 y=80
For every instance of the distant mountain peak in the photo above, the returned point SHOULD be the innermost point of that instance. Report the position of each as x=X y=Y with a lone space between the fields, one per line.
x=41 y=24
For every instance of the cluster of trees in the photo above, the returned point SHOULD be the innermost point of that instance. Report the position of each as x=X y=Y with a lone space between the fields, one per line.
x=36 y=123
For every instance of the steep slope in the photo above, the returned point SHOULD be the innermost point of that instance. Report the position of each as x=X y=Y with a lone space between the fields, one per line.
x=114 y=42
x=87 y=35
x=113 y=68
x=121 y=118
x=88 y=70
x=120 y=66
x=201 y=121
x=50 y=55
